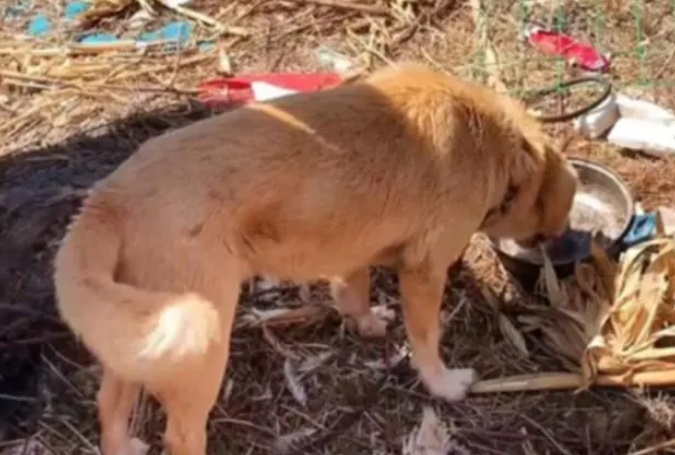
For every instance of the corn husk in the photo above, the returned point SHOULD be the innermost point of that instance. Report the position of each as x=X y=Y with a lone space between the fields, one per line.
x=610 y=324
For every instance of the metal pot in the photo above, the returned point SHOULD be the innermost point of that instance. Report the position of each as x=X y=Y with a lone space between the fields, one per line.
x=600 y=187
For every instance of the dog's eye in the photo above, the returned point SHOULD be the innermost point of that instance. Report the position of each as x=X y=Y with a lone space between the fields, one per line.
x=509 y=198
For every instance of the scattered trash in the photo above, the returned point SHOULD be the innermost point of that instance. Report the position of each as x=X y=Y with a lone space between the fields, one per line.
x=632 y=124
x=98 y=38
x=554 y=43
x=74 y=9
x=174 y=33
x=598 y=121
x=171 y=37
x=642 y=228
x=649 y=137
x=260 y=87
x=647 y=110
x=262 y=91
x=40 y=25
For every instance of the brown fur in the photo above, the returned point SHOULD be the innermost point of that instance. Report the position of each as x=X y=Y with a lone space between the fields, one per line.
x=400 y=168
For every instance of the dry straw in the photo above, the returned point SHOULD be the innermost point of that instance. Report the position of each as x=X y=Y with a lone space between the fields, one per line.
x=610 y=324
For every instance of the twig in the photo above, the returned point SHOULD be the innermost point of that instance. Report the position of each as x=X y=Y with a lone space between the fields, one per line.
x=6 y=397
x=370 y=9
x=31 y=78
x=162 y=67
x=80 y=436
x=569 y=381
x=369 y=48
x=29 y=312
x=35 y=340
x=490 y=57
x=655 y=449
x=548 y=435
x=224 y=29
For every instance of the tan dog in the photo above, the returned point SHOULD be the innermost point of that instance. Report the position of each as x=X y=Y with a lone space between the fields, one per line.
x=400 y=169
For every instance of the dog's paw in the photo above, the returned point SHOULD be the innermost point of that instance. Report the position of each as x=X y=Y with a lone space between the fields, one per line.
x=138 y=447
x=372 y=326
x=132 y=446
x=452 y=385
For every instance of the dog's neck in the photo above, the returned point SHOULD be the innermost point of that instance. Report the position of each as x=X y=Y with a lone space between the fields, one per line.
x=500 y=210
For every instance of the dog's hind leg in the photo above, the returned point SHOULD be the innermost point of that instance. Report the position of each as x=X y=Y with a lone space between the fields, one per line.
x=352 y=299
x=189 y=395
x=116 y=399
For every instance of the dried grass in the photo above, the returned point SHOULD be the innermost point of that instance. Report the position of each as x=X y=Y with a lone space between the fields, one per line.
x=609 y=324
x=297 y=381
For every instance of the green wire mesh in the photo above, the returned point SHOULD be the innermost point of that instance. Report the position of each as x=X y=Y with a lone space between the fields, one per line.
x=639 y=35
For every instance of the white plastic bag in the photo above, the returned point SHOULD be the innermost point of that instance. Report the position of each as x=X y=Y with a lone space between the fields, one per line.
x=651 y=137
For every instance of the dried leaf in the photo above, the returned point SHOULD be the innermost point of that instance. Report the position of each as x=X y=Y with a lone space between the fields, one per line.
x=312 y=363
x=491 y=298
x=551 y=283
x=285 y=316
x=293 y=383
x=401 y=352
x=605 y=267
x=432 y=437
x=287 y=442
x=224 y=63
x=513 y=335
x=24 y=447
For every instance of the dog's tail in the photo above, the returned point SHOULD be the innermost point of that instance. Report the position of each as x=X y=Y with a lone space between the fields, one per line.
x=143 y=329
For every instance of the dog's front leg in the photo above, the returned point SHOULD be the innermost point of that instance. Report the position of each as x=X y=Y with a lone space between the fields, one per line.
x=422 y=289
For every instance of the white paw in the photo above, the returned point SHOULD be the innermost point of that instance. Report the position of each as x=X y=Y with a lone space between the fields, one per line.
x=128 y=446
x=451 y=385
x=138 y=447
x=372 y=326
x=382 y=312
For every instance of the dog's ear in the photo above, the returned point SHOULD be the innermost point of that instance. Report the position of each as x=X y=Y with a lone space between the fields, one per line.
x=528 y=163
x=523 y=168
x=556 y=193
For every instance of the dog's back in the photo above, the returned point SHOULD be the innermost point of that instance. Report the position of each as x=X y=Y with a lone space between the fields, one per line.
x=340 y=171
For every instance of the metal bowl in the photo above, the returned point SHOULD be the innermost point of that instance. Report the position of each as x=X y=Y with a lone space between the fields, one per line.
x=603 y=209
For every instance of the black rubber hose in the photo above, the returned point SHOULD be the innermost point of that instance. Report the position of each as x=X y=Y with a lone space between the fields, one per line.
x=606 y=92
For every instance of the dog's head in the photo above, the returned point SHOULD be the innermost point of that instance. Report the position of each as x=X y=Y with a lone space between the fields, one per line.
x=538 y=195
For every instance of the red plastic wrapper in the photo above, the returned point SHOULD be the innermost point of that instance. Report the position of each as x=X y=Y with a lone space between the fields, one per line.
x=239 y=90
x=575 y=52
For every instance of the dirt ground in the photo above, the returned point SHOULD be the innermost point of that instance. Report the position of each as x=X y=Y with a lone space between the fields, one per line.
x=61 y=130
